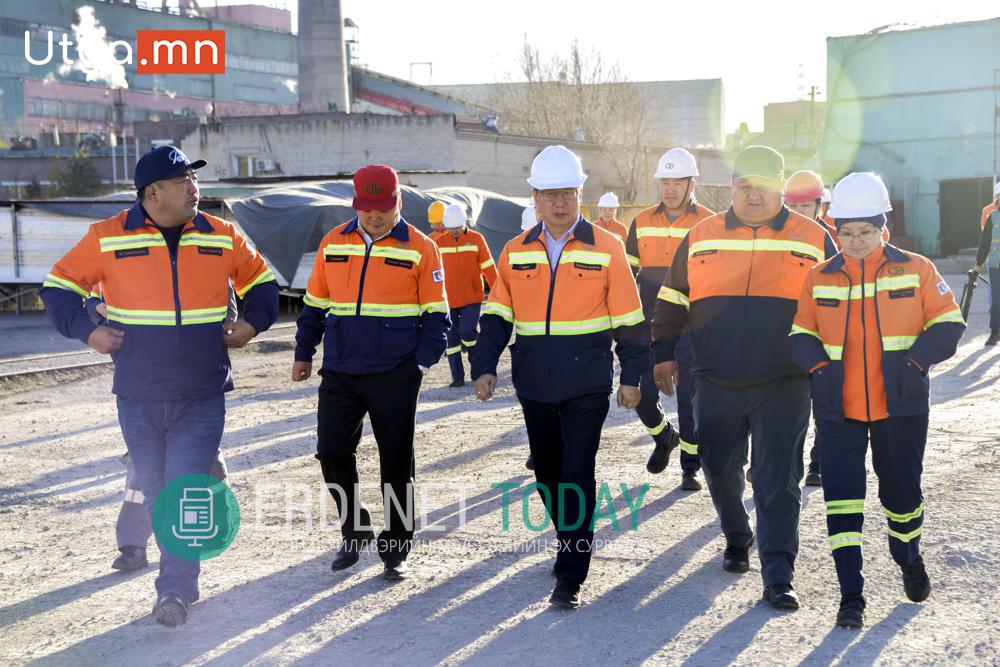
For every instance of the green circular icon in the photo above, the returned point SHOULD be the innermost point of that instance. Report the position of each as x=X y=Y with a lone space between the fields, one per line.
x=196 y=517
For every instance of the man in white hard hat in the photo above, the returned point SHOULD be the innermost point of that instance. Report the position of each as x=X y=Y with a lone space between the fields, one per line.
x=652 y=243
x=989 y=255
x=870 y=323
x=607 y=212
x=467 y=262
x=566 y=289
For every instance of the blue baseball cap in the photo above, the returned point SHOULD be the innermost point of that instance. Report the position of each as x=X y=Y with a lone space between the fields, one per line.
x=161 y=163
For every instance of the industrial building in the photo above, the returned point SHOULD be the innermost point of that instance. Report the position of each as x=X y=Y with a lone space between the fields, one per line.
x=920 y=108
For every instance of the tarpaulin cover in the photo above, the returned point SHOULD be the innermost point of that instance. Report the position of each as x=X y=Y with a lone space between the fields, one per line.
x=288 y=222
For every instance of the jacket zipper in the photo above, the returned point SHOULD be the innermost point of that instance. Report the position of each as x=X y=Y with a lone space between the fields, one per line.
x=552 y=289
x=364 y=269
x=174 y=252
x=753 y=253
x=878 y=325
x=864 y=341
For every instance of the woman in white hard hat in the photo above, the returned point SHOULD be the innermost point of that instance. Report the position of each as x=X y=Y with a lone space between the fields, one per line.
x=870 y=323
x=607 y=212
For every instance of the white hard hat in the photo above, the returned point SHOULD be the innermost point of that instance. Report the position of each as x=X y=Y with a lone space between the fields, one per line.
x=556 y=167
x=608 y=200
x=528 y=218
x=859 y=195
x=454 y=216
x=676 y=163
x=825 y=197
x=996 y=189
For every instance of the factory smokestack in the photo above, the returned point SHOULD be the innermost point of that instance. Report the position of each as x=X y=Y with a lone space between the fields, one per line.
x=322 y=61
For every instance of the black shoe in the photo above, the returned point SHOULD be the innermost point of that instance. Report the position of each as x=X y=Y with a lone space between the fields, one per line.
x=666 y=442
x=395 y=570
x=916 y=583
x=852 y=611
x=455 y=384
x=994 y=338
x=529 y=463
x=130 y=559
x=781 y=596
x=566 y=595
x=170 y=610
x=737 y=559
x=690 y=481
x=350 y=550
x=813 y=478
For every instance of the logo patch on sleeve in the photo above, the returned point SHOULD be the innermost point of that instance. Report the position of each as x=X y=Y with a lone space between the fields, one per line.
x=942 y=288
x=437 y=275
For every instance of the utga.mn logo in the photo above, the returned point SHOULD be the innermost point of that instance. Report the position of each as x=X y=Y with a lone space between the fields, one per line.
x=156 y=52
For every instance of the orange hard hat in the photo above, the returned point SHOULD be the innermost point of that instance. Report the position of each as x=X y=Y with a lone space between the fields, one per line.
x=803 y=186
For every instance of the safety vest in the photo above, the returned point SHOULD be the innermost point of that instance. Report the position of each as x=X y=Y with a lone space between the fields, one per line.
x=467 y=261
x=565 y=316
x=991 y=216
x=901 y=310
x=374 y=306
x=171 y=310
x=614 y=227
x=653 y=239
x=737 y=291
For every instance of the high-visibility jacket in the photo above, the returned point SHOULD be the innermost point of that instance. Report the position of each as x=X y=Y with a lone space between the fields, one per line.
x=737 y=287
x=613 y=226
x=989 y=245
x=170 y=308
x=565 y=316
x=870 y=338
x=467 y=261
x=652 y=245
x=374 y=307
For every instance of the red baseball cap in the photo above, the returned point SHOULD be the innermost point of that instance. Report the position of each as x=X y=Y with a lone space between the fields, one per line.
x=376 y=188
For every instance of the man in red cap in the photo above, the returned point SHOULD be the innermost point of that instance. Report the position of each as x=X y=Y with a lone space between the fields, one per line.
x=376 y=299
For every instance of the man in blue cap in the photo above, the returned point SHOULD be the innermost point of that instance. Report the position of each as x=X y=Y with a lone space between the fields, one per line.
x=165 y=270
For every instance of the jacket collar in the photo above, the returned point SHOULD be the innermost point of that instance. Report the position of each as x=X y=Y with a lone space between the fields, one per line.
x=890 y=252
x=777 y=223
x=662 y=210
x=137 y=216
x=583 y=232
x=400 y=231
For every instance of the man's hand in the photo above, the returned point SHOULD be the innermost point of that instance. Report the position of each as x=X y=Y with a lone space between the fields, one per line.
x=301 y=370
x=978 y=268
x=628 y=397
x=485 y=384
x=666 y=375
x=238 y=333
x=105 y=339
x=102 y=310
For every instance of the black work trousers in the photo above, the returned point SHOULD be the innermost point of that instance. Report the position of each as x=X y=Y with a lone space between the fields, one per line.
x=564 y=438
x=390 y=401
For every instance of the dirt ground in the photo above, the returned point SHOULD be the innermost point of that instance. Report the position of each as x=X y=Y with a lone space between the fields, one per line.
x=477 y=593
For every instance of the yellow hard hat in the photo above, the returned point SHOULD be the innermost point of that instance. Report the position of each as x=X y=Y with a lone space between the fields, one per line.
x=435 y=213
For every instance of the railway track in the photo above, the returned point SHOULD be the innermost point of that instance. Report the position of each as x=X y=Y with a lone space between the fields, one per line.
x=43 y=365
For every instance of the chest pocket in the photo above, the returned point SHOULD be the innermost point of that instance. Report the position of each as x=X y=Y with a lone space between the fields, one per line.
x=586 y=271
x=653 y=251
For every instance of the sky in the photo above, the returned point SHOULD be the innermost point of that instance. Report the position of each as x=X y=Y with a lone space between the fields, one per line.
x=763 y=51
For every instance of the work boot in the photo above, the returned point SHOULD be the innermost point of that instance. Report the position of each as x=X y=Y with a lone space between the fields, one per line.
x=690 y=481
x=916 y=583
x=350 y=551
x=455 y=384
x=781 y=596
x=852 y=611
x=994 y=338
x=737 y=559
x=529 y=463
x=666 y=441
x=130 y=559
x=395 y=570
x=170 y=610
x=566 y=595
x=813 y=477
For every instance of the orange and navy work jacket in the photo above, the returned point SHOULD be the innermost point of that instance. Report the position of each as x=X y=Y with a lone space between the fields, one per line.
x=565 y=316
x=170 y=308
x=612 y=226
x=374 y=306
x=652 y=245
x=467 y=261
x=869 y=330
x=736 y=287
